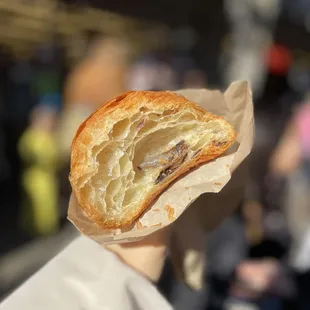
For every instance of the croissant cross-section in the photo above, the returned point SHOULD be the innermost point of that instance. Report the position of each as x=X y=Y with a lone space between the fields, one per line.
x=131 y=149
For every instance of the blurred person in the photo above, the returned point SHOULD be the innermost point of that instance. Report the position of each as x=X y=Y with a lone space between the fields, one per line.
x=100 y=76
x=37 y=145
x=293 y=150
x=291 y=161
x=38 y=150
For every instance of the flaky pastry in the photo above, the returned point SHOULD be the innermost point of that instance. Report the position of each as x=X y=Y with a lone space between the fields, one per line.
x=132 y=148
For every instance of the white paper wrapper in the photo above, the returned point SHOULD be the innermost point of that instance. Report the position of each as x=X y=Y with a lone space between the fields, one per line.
x=236 y=106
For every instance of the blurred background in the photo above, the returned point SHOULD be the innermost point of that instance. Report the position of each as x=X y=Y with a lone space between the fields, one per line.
x=61 y=59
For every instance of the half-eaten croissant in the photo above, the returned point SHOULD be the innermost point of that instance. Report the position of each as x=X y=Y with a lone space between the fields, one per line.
x=131 y=149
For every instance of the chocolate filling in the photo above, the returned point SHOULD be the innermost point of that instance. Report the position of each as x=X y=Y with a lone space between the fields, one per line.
x=219 y=143
x=169 y=170
x=169 y=161
x=165 y=159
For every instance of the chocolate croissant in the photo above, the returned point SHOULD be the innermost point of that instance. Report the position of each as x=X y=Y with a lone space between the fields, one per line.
x=132 y=148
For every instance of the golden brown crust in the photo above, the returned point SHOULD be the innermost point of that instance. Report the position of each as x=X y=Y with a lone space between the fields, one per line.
x=127 y=104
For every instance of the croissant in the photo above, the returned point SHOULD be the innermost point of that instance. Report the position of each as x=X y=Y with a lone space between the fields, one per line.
x=132 y=148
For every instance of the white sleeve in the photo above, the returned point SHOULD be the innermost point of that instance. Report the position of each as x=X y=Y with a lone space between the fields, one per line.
x=86 y=276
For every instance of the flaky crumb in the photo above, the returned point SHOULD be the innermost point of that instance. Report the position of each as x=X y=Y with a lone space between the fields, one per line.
x=170 y=212
x=139 y=225
x=157 y=225
x=218 y=183
x=156 y=210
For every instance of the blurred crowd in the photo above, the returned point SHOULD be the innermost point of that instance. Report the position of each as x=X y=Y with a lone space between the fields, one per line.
x=259 y=258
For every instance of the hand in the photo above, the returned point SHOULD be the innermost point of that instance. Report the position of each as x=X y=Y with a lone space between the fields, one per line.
x=146 y=256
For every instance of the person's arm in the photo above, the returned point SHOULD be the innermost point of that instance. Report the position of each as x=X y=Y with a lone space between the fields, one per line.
x=286 y=156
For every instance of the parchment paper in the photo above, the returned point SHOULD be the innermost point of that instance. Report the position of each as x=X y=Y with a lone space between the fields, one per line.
x=236 y=106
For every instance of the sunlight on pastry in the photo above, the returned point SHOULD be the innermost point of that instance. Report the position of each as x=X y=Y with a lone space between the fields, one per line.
x=132 y=148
